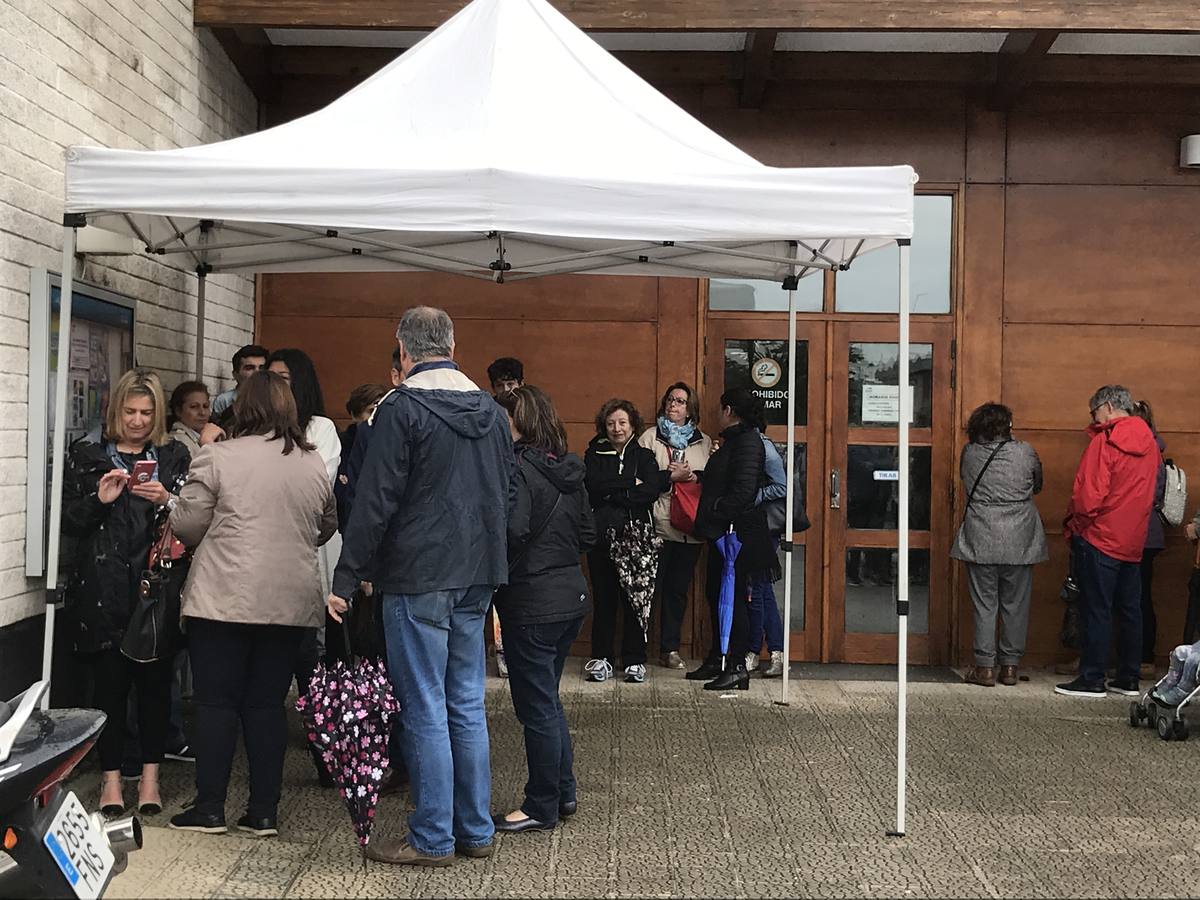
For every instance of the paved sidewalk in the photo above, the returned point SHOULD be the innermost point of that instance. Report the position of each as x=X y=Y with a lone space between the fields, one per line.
x=1014 y=792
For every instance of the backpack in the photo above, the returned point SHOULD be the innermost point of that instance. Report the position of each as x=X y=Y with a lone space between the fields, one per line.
x=1174 y=503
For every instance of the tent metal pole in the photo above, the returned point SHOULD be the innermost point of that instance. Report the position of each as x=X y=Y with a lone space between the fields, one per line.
x=902 y=592
x=58 y=458
x=789 y=504
x=201 y=285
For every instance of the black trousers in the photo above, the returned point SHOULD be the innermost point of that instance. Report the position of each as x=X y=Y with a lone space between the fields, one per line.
x=739 y=632
x=1149 y=620
x=676 y=566
x=607 y=599
x=115 y=676
x=536 y=654
x=241 y=673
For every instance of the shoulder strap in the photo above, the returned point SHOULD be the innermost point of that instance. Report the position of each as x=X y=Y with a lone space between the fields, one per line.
x=979 y=477
x=537 y=532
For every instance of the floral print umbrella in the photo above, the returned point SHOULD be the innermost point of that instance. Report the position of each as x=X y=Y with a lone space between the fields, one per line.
x=634 y=552
x=347 y=713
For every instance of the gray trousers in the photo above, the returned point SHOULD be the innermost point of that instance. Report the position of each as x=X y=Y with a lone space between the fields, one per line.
x=1004 y=590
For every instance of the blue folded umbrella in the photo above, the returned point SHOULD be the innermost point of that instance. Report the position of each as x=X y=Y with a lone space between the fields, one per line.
x=730 y=546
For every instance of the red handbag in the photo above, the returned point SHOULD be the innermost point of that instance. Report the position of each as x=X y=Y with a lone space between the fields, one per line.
x=685 y=500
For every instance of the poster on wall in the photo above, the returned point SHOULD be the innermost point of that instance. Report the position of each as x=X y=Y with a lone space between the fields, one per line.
x=100 y=351
x=761 y=366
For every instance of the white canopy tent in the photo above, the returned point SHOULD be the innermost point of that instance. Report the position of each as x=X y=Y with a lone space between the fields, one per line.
x=505 y=145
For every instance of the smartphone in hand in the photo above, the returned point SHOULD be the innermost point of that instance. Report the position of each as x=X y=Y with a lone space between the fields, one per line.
x=143 y=471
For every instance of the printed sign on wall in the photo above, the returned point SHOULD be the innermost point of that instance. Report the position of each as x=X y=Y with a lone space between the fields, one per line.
x=761 y=366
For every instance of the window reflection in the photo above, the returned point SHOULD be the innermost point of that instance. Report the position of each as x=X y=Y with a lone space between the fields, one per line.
x=874 y=375
x=873 y=492
x=871 y=282
x=765 y=296
x=871 y=590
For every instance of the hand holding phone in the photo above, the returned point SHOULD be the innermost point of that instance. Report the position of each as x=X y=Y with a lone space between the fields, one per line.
x=143 y=471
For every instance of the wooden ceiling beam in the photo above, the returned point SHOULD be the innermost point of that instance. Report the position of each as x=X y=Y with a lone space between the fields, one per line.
x=249 y=49
x=1018 y=61
x=1168 y=16
x=758 y=53
x=348 y=65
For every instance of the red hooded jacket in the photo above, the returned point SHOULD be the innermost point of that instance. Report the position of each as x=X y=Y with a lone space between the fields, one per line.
x=1114 y=488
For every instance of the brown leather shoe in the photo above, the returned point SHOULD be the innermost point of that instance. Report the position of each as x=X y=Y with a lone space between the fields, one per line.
x=1008 y=675
x=399 y=852
x=474 y=852
x=984 y=676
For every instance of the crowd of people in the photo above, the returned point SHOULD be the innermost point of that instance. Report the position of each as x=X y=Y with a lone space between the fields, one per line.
x=441 y=501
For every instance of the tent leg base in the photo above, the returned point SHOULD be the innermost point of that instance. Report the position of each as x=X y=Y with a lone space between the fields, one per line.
x=894 y=834
x=782 y=703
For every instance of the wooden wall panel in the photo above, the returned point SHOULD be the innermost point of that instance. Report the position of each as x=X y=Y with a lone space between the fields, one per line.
x=1050 y=371
x=930 y=140
x=1119 y=255
x=573 y=361
x=1131 y=147
x=388 y=294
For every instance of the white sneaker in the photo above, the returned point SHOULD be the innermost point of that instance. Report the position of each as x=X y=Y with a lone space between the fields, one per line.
x=598 y=670
x=752 y=663
x=635 y=674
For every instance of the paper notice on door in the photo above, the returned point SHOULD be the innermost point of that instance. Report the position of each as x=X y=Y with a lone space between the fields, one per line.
x=881 y=403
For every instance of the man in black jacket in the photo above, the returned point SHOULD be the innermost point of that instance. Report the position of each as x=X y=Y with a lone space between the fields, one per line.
x=431 y=501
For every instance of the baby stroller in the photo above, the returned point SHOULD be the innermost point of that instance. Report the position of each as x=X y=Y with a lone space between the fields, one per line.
x=1162 y=706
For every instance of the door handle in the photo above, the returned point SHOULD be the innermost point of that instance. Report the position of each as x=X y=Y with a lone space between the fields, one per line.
x=835 y=489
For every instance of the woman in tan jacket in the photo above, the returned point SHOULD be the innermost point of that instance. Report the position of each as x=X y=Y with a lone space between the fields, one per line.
x=681 y=450
x=256 y=508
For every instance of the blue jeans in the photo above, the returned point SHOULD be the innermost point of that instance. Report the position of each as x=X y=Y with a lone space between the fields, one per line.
x=764 y=615
x=1108 y=585
x=536 y=654
x=436 y=663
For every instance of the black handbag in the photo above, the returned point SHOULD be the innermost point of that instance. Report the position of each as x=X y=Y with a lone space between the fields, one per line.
x=776 y=511
x=153 y=631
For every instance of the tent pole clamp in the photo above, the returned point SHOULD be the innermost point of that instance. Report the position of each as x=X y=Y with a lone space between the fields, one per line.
x=74 y=220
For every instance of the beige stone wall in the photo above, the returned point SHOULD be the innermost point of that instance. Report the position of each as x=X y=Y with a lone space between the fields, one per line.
x=112 y=73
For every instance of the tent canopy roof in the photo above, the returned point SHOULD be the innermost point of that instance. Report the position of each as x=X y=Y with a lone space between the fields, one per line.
x=506 y=140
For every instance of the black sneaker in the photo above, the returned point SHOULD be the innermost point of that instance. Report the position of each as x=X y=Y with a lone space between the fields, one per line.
x=182 y=754
x=259 y=826
x=1081 y=688
x=190 y=820
x=1127 y=686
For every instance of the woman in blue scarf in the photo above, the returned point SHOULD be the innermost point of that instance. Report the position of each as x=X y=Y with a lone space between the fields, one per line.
x=681 y=450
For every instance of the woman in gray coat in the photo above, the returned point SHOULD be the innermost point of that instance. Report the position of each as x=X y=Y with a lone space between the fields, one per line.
x=1000 y=539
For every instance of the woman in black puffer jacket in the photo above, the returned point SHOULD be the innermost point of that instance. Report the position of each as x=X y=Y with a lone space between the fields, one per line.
x=114 y=519
x=729 y=489
x=543 y=605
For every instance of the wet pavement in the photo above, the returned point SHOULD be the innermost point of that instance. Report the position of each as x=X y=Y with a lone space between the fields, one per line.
x=1013 y=792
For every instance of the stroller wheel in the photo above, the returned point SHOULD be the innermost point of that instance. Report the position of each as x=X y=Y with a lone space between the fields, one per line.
x=1135 y=714
x=1181 y=730
x=1164 y=728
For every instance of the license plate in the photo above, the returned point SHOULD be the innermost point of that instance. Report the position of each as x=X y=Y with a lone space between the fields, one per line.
x=79 y=849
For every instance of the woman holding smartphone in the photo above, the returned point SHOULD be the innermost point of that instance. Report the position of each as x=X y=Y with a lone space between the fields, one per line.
x=114 y=494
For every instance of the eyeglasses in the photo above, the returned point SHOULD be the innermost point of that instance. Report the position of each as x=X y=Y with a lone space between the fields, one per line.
x=677 y=401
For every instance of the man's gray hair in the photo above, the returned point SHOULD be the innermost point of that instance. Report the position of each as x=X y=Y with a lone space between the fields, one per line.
x=1114 y=394
x=426 y=333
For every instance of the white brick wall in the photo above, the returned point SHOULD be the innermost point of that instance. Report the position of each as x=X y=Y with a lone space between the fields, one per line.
x=112 y=73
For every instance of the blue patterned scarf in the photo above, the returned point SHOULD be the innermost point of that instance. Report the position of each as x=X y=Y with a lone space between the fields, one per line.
x=678 y=436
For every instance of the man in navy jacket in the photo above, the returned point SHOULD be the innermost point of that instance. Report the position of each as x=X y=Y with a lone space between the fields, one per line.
x=427 y=528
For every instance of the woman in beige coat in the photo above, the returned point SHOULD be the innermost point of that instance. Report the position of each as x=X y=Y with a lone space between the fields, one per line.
x=681 y=450
x=256 y=508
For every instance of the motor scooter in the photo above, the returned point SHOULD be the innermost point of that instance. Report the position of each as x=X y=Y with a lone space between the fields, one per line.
x=50 y=845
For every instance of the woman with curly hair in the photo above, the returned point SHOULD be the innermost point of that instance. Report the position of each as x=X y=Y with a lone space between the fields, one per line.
x=623 y=481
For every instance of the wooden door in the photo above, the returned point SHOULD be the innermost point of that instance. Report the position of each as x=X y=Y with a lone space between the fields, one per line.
x=861 y=492
x=752 y=352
